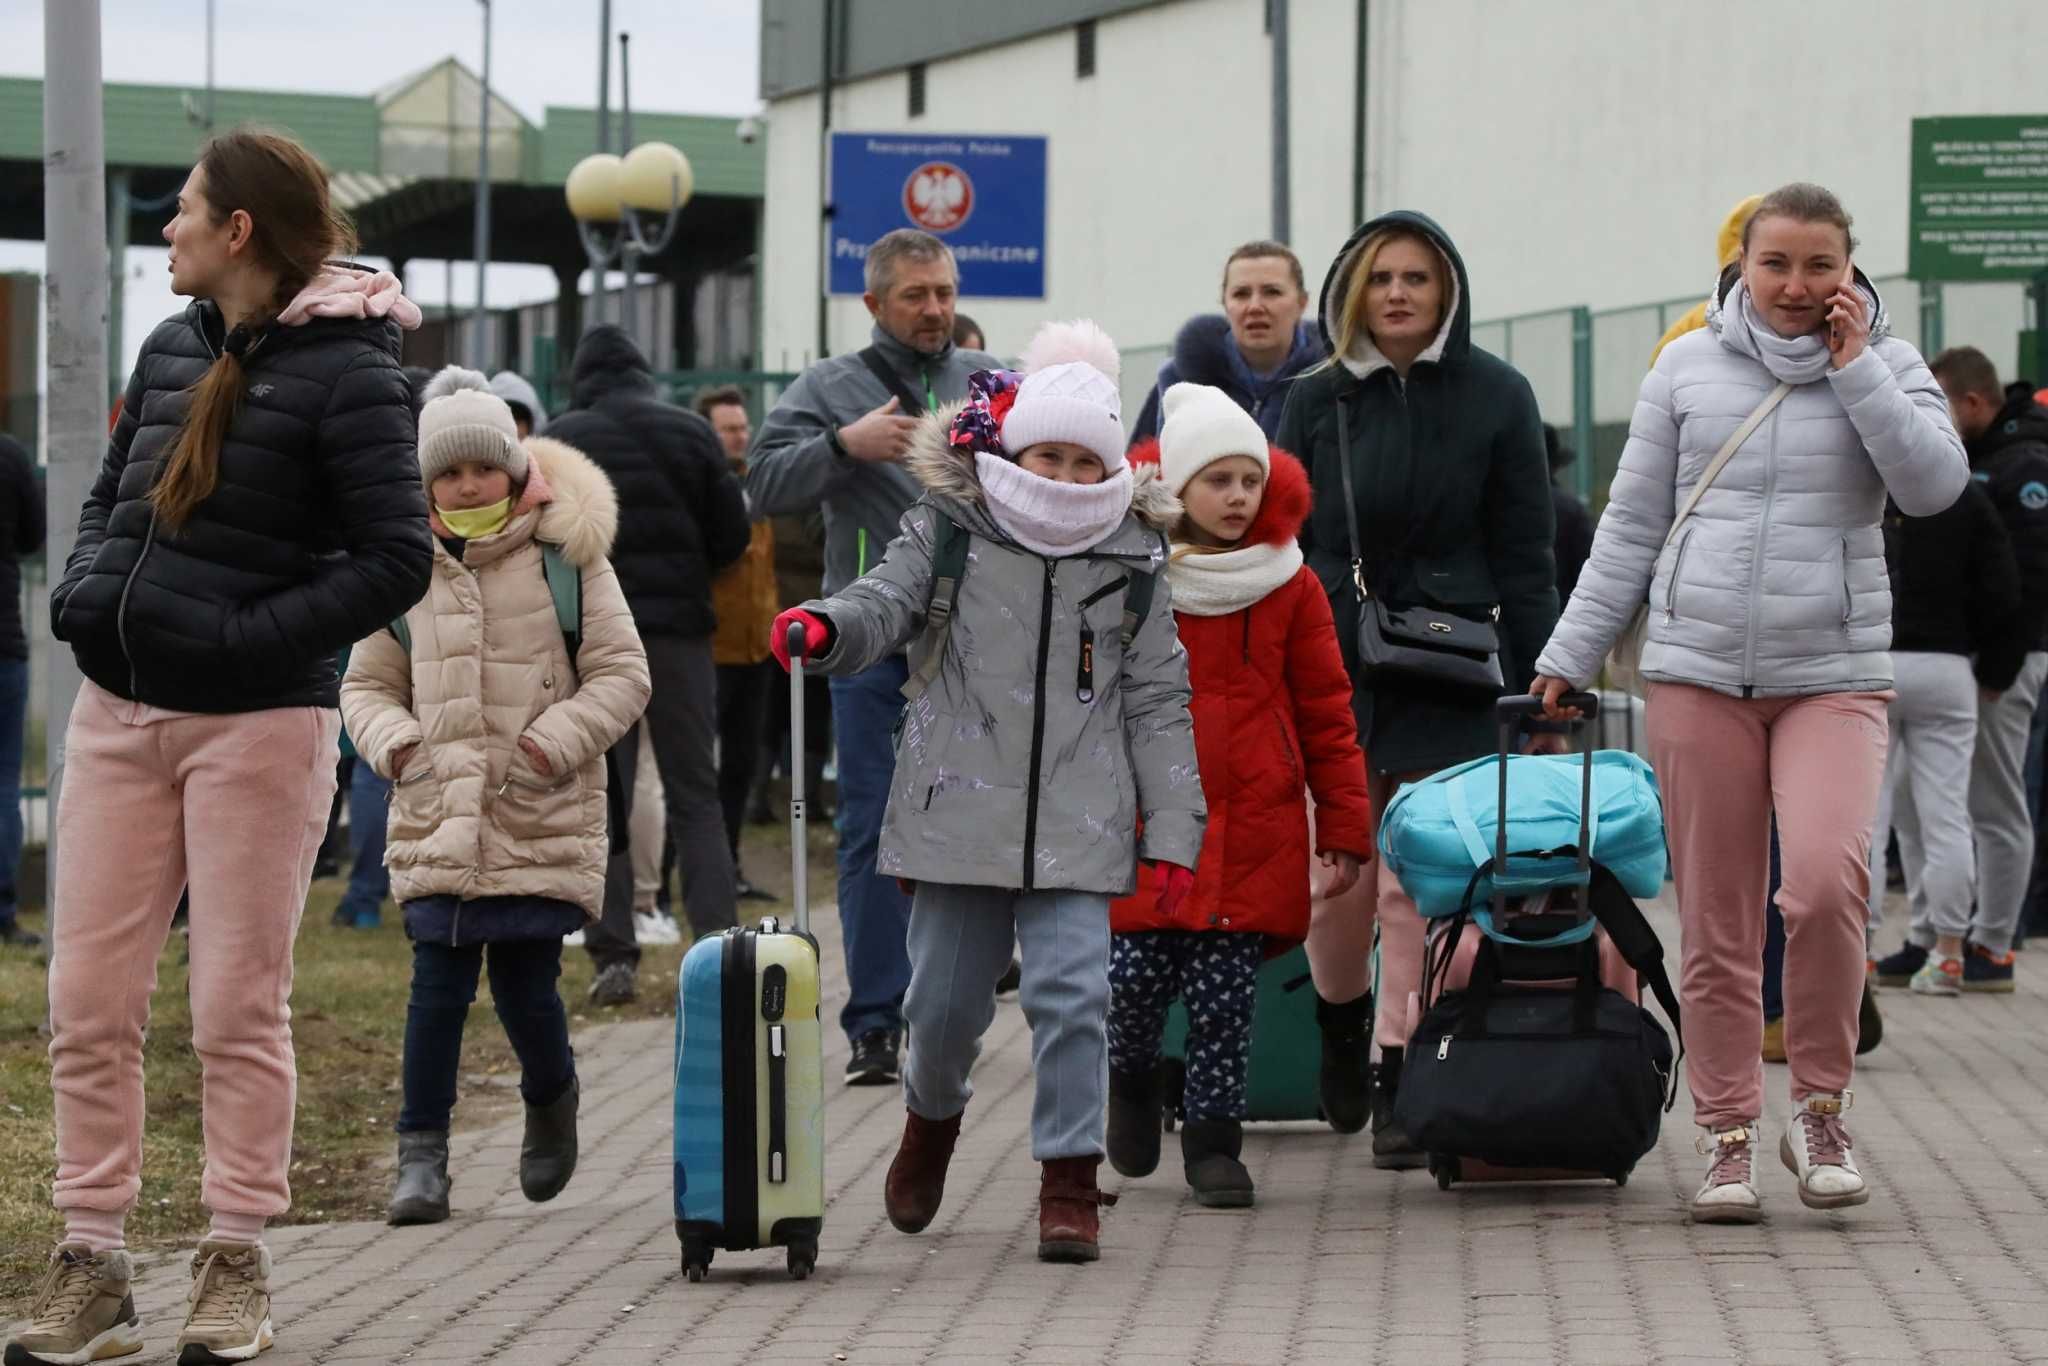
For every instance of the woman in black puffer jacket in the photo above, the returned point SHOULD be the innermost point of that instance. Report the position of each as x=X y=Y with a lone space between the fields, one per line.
x=258 y=510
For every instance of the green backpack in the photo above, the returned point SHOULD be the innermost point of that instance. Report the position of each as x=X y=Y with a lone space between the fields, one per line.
x=565 y=586
x=949 y=566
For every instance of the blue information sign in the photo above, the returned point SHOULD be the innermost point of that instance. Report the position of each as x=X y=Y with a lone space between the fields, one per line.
x=982 y=194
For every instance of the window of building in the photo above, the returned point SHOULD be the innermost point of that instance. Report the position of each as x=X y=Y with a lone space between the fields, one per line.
x=1084 y=49
x=917 y=90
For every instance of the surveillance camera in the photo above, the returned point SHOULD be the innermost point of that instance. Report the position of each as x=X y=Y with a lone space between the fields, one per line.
x=749 y=129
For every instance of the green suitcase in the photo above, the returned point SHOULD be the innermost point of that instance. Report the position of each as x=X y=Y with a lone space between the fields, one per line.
x=1287 y=1048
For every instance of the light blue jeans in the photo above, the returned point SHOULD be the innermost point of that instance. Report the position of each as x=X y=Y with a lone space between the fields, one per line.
x=960 y=939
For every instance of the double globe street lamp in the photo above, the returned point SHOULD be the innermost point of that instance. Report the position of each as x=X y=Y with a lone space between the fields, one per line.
x=613 y=199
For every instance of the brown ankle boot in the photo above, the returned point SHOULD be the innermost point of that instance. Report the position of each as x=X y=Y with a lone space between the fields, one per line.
x=917 y=1178
x=1068 y=1205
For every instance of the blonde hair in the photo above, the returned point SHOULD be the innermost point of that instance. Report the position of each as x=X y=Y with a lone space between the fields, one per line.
x=1351 y=313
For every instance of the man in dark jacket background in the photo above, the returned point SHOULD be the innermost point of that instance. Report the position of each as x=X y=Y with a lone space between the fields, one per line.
x=682 y=518
x=836 y=440
x=21 y=533
x=2007 y=442
x=1574 y=540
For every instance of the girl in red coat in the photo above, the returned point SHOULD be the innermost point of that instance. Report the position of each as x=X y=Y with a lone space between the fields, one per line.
x=1272 y=711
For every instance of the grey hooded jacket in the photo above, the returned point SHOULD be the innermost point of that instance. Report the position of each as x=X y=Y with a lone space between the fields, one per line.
x=1776 y=586
x=1005 y=777
x=795 y=467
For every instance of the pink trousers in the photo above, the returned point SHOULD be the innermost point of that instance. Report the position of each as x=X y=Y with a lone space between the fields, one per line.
x=235 y=805
x=1723 y=764
x=1340 y=937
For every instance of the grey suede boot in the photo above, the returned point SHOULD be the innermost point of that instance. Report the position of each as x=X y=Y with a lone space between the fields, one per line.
x=547 y=1156
x=421 y=1196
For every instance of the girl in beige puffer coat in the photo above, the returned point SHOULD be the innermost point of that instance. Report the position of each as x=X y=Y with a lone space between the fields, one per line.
x=494 y=735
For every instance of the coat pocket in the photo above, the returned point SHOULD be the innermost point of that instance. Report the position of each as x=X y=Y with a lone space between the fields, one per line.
x=527 y=807
x=415 y=804
x=1677 y=565
x=1848 y=594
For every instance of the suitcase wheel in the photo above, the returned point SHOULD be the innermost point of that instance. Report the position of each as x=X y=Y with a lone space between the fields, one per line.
x=1618 y=1178
x=803 y=1259
x=1444 y=1168
x=696 y=1259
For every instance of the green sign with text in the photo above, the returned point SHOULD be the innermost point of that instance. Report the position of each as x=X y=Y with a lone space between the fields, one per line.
x=1979 y=208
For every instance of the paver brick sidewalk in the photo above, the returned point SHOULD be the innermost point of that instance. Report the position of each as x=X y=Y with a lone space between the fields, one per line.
x=1338 y=1263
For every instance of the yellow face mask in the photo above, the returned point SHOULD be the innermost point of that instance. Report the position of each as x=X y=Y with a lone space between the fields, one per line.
x=473 y=523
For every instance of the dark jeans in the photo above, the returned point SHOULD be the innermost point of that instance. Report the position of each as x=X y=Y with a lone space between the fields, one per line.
x=369 y=881
x=874 y=914
x=743 y=691
x=523 y=973
x=684 y=715
x=2034 y=914
x=13 y=712
x=817 y=725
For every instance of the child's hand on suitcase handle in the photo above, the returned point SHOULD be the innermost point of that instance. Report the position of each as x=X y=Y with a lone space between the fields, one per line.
x=1175 y=883
x=817 y=635
x=1345 y=866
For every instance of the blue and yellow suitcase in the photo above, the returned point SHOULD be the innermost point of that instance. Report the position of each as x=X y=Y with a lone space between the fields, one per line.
x=750 y=1084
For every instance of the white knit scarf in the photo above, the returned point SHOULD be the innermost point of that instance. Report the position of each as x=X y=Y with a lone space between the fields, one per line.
x=1046 y=516
x=1215 y=585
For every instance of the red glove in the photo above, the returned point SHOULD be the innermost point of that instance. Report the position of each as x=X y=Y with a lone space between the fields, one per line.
x=817 y=635
x=1175 y=883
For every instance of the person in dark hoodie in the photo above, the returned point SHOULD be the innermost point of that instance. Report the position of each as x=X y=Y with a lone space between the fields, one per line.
x=21 y=533
x=682 y=519
x=1255 y=349
x=1574 y=520
x=258 y=508
x=2007 y=442
x=1444 y=449
x=837 y=440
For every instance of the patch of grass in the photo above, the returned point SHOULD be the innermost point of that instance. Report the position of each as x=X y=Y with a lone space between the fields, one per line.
x=348 y=1028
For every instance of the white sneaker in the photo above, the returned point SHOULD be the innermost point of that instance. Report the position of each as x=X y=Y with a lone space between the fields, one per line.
x=573 y=940
x=656 y=928
x=1728 y=1195
x=1816 y=1150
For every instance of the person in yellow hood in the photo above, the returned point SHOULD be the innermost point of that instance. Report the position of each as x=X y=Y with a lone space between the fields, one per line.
x=1729 y=247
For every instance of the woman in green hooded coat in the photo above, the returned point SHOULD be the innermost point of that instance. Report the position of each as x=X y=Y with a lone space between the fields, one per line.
x=1453 y=511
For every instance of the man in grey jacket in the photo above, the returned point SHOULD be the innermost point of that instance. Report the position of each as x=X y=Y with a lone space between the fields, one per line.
x=836 y=441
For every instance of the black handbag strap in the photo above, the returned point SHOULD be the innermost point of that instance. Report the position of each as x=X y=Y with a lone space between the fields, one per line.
x=1350 y=500
x=911 y=405
x=1486 y=979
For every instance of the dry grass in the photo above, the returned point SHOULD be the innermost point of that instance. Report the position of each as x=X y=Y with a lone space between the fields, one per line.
x=348 y=1026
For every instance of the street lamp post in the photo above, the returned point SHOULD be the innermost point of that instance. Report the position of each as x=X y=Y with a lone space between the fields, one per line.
x=614 y=200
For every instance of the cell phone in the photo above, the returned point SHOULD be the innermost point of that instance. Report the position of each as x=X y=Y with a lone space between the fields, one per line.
x=1835 y=327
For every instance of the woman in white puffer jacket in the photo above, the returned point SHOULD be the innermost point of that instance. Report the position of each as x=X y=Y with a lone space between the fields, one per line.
x=1769 y=660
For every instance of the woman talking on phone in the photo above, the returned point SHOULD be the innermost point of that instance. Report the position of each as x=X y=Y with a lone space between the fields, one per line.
x=1748 y=510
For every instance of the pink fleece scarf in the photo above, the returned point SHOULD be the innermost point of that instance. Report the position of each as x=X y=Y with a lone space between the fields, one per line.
x=343 y=293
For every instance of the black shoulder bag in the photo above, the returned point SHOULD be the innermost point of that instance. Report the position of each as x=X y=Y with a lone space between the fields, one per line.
x=1415 y=645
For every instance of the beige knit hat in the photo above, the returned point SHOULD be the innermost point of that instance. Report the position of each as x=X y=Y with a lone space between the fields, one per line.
x=463 y=420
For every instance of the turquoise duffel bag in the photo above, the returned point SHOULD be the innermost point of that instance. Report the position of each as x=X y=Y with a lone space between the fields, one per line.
x=1436 y=834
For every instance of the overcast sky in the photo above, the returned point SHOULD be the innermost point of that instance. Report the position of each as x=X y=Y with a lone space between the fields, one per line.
x=689 y=57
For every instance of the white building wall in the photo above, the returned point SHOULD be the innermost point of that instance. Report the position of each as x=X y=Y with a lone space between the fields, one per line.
x=1579 y=153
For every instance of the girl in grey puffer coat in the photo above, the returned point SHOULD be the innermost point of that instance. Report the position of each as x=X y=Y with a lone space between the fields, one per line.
x=1047 y=723
x=1769 y=659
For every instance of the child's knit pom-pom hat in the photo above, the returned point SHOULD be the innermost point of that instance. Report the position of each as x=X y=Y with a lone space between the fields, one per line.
x=1069 y=394
x=461 y=419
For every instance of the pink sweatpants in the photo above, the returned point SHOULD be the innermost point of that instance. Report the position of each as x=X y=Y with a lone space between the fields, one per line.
x=1723 y=764
x=237 y=805
x=1340 y=936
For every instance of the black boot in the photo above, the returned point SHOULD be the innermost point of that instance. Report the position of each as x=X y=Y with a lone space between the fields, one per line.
x=1209 y=1150
x=1392 y=1149
x=421 y=1196
x=1347 y=1037
x=547 y=1155
x=1134 y=1121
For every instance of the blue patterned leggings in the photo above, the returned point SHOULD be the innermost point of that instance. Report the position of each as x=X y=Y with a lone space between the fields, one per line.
x=1215 y=974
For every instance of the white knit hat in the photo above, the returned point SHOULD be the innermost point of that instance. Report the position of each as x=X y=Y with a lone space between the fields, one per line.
x=463 y=420
x=1069 y=394
x=1199 y=425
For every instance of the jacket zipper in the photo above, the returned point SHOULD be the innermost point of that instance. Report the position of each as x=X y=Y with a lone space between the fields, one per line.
x=121 y=611
x=1038 y=723
x=1671 y=586
x=1756 y=576
x=1848 y=601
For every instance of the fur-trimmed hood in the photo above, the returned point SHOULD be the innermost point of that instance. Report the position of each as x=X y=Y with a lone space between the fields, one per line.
x=1203 y=352
x=1288 y=494
x=947 y=473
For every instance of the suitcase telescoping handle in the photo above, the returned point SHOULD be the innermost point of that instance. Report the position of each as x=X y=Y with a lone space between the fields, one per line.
x=1513 y=712
x=799 y=843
